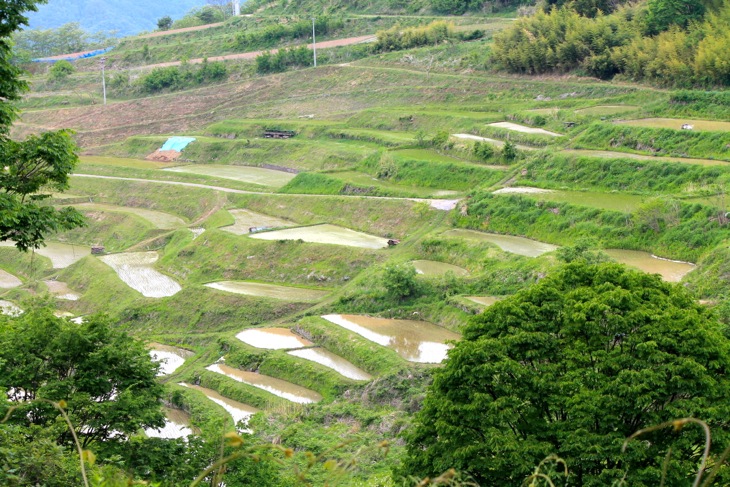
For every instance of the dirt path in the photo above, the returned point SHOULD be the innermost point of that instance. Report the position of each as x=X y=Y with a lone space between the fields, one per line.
x=179 y=31
x=252 y=55
x=438 y=204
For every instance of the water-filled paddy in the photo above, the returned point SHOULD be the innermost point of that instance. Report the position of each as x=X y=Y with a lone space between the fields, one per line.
x=433 y=268
x=170 y=358
x=278 y=387
x=246 y=174
x=135 y=269
x=508 y=243
x=238 y=410
x=177 y=425
x=484 y=300
x=285 y=293
x=9 y=281
x=607 y=201
x=246 y=219
x=603 y=154
x=324 y=357
x=61 y=255
x=676 y=123
x=326 y=234
x=524 y=129
x=273 y=338
x=670 y=270
x=61 y=290
x=9 y=309
x=160 y=219
x=415 y=341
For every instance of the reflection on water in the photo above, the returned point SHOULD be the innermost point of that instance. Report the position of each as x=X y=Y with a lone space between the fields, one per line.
x=327 y=234
x=670 y=270
x=333 y=361
x=61 y=255
x=433 y=268
x=278 y=387
x=269 y=290
x=508 y=243
x=238 y=410
x=273 y=338
x=177 y=425
x=8 y=281
x=246 y=219
x=415 y=341
x=134 y=268
x=170 y=358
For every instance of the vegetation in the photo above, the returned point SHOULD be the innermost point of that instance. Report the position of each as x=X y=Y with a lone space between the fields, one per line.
x=177 y=78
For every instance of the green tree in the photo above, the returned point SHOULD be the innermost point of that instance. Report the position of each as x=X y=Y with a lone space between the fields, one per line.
x=509 y=151
x=400 y=281
x=164 y=23
x=572 y=366
x=61 y=70
x=40 y=163
x=662 y=14
x=106 y=378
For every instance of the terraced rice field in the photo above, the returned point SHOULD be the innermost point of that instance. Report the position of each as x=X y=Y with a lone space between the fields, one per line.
x=287 y=390
x=61 y=255
x=524 y=129
x=494 y=142
x=676 y=124
x=161 y=220
x=273 y=338
x=135 y=269
x=60 y=290
x=247 y=174
x=433 y=268
x=607 y=110
x=9 y=309
x=324 y=357
x=484 y=300
x=285 y=293
x=415 y=341
x=607 y=201
x=604 y=154
x=246 y=219
x=239 y=411
x=508 y=243
x=9 y=281
x=670 y=270
x=177 y=425
x=326 y=234
x=121 y=162
x=170 y=358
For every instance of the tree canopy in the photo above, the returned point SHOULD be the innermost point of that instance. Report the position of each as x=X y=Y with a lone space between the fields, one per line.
x=29 y=168
x=572 y=366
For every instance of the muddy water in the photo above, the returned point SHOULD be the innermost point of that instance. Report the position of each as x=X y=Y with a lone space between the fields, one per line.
x=9 y=309
x=522 y=190
x=160 y=219
x=177 y=425
x=433 y=268
x=9 y=281
x=523 y=129
x=671 y=271
x=238 y=410
x=170 y=358
x=273 y=338
x=278 y=387
x=415 y=341
x=61 y=290
x=246 y=174
x=285 y=293
x=484 y=300
x=61 y=255
x=327 y=234
x=134 y=268
x=246 y=219
x=334 y=362
x=508 y=243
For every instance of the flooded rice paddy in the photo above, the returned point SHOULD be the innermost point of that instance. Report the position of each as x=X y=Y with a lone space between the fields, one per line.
x=160 y=219
x=170 y=358
x=484 y=300
x=523 y=129
x=676 y=123
x=61 y=290
x=238 y=410
x=433 y=268
x=508 y=243
x=608 y=201
x=61 y=255
x=335 y=362
x=278 y=387
x=246 y=174
x=326 y=234
x=9 y=309
x=273 y=338
x=415 y=341
x=9 y=281
x=246 y=219
x=643 y=157
x=177 y=425
x=522 y=190
x=134 y=269
x=670 y=270
x=285 y=293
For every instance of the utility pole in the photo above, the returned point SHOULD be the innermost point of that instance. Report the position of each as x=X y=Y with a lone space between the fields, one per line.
x=102 y=61
x=314 y=42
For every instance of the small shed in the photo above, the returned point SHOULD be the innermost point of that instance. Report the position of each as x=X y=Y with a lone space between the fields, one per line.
x=97 y=249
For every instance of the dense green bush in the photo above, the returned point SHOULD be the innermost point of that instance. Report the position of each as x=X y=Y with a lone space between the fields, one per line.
x=284 y=59
x=276 y=33
x=397 y=38
x=186 y=76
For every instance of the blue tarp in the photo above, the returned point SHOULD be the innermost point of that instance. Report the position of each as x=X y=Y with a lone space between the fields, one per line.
x=73 y=57
x=177 y=143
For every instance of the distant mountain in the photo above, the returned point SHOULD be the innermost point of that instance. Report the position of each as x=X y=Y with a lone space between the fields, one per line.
x=128 y=17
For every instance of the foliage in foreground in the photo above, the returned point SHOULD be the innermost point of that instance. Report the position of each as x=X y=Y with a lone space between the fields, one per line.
x=572 y=366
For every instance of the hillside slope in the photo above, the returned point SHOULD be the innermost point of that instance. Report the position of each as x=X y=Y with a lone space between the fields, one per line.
x=125 y=16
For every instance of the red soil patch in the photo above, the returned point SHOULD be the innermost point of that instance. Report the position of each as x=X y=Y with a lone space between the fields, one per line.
x=163 y=155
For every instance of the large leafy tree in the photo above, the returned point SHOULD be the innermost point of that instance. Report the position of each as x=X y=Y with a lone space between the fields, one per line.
x=28 y=169
x=106 y=378
x=572 y=366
